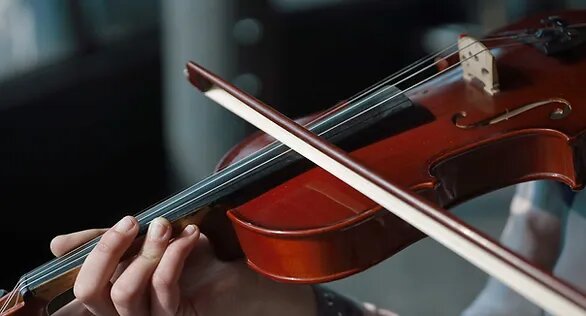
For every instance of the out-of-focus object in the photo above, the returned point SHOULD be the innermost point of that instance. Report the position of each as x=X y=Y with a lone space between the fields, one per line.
x=29 y=36
x=205 y=30
x=296 y=223
x=299 y=5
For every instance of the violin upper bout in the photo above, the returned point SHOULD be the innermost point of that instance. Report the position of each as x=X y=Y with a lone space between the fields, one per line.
x=478 y=64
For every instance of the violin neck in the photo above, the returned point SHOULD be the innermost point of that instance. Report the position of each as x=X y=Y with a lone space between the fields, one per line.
x=192 y=204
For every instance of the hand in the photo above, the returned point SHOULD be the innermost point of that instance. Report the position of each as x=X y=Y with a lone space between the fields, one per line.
x=179 y=276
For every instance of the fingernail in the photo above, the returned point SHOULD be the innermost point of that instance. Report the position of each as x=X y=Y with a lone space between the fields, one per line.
x=124 y=225
x=189 y=229
x=157 y=229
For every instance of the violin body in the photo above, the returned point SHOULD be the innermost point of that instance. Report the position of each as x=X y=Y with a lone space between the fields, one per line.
x=455 y=143
x=315 y=228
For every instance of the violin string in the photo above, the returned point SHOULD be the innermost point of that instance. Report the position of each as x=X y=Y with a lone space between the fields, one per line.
x=14 y=293
x=10 y=297
x=72 y=259
x=424 y=81
x=399 y=73
x=75 y=260
x=144 y=215
x=352 y=99
x=7 y=302
x=386 y=80
x=366 y=110
x=405 y=70
x=421 y=61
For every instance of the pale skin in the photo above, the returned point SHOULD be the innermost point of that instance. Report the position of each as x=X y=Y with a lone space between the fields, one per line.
x=171 y=276
x=181 y=276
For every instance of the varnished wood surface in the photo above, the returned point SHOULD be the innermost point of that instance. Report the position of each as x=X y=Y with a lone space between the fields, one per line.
x=298 y=231
x=313 y=227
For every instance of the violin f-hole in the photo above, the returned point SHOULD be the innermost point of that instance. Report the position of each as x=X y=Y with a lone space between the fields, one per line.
x=559 y=112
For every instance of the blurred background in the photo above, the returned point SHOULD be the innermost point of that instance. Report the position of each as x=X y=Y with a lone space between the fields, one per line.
x=97 y=119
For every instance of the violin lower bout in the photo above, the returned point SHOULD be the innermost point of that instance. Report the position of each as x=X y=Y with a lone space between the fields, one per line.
x=324 y=254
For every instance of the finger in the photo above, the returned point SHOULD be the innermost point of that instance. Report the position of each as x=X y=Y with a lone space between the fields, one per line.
x=92 y=286
x=74 y=307
x=62 y=244
x=165 y=292
x=131 y=290
x=120 y=269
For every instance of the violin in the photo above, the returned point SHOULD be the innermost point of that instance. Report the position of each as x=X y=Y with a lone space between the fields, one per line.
x=500 y=110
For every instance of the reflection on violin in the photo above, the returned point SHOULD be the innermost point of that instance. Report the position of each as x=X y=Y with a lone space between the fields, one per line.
x=323 y=239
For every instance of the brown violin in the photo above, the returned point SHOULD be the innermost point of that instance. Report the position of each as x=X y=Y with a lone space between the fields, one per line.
x=498 y=111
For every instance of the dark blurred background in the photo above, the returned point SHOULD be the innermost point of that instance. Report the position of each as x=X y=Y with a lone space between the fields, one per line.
x=97 y=119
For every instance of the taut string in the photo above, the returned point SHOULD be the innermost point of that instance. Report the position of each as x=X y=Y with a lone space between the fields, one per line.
x=79 y=254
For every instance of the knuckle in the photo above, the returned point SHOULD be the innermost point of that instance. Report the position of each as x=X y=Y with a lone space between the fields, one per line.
x=151 y=256
x=160 y=282
x=104 y=246
x=84 y=293
x=153 y=251
x=122 y=295
x=110 y=242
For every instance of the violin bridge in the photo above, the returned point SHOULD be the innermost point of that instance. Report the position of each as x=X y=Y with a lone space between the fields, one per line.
x=478 y=64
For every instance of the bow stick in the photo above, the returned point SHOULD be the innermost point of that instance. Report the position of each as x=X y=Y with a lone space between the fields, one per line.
x=542 y=288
